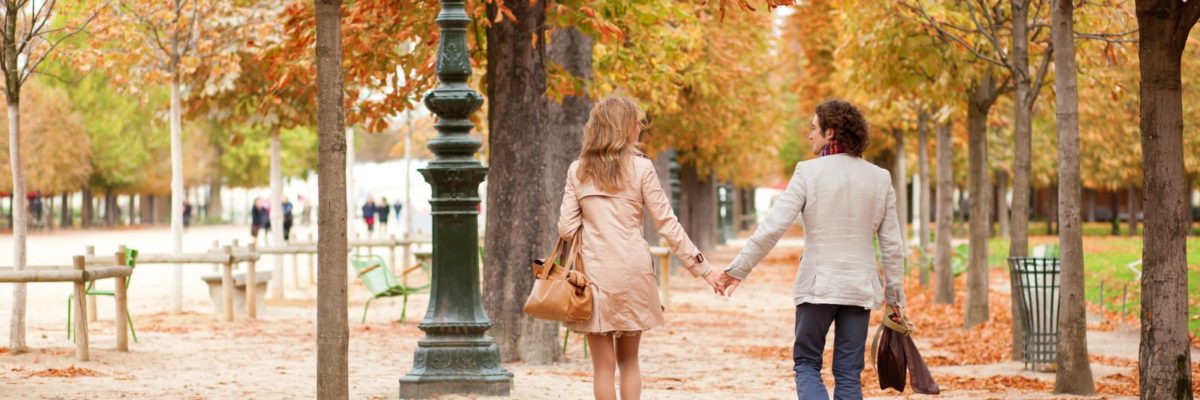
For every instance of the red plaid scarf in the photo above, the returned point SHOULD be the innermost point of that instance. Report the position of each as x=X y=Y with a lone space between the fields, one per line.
x=833 y=147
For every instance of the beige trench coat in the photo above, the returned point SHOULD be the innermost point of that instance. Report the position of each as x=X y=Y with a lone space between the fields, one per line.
x=616 y=256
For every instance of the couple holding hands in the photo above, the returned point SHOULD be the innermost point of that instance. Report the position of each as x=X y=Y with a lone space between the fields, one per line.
x=845 y=202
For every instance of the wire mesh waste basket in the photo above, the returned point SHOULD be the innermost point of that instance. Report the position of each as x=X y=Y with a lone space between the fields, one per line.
x=1037 y=282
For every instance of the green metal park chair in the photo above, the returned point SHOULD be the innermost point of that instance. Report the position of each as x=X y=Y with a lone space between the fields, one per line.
x=131 y=262
x=375 y=274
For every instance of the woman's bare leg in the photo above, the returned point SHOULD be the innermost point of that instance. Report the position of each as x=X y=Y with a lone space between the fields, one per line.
x=627 y=360
x=604 y=365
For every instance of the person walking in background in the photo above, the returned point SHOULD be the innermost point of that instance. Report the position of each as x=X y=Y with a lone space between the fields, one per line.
x=261 y=216
x=187 y=213
x=256 y=218
x=305 y=210
x=382 y=213
x=397 y=207
x=35 y=209
x=368 y=215
x=287 y=219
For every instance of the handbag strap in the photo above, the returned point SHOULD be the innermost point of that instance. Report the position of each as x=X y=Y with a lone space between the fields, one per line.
x=548 y=263
x=575 y=259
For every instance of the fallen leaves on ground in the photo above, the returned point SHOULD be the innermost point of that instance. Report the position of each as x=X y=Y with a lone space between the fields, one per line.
x=941 y=324
x=68 y=372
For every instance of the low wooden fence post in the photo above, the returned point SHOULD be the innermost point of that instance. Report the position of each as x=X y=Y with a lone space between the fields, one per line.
x=251 y=287
x=227 y=286
x=122 y=299
x=81 y=325
x=92 y=314
x=392 y=256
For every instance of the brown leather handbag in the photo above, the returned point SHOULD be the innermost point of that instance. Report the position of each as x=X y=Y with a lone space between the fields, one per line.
x=895 y=356
x=561 y=291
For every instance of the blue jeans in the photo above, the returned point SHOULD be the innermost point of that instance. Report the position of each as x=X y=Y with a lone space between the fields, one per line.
x=850 y=339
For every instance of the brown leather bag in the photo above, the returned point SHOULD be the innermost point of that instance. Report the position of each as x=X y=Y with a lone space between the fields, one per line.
x=894 y=354
x=561 y=292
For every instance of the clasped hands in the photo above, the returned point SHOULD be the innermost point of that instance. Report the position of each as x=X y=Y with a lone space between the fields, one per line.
x=722 y=283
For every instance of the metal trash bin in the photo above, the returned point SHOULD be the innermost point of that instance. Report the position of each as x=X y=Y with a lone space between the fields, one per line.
x=1037 y=281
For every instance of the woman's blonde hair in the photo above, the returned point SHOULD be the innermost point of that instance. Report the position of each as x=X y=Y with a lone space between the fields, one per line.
x=607 y=143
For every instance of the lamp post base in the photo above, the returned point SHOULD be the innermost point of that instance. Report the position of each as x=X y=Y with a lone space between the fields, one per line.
x=456 y=366
x=430 y=387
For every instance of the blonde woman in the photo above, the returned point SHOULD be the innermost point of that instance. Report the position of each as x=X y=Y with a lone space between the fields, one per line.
x=606 y=190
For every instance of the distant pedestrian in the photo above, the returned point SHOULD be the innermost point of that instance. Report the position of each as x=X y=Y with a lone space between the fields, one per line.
x=260 y=218
x=382 y=213
x=287 y=219
x=397 y=207
x=305 y=210
x=368 y=214
x=187 y=213
x=35 y=208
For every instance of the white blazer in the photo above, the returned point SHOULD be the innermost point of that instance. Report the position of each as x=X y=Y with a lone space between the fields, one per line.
x=846 y=203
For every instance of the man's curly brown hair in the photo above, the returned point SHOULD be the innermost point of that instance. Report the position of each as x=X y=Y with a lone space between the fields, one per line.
x=849 y=126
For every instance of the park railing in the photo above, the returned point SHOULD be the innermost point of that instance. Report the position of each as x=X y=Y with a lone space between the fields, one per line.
x=79 y=274
x=222 y=259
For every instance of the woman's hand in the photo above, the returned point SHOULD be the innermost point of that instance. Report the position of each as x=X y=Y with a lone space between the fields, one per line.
x=714 y=281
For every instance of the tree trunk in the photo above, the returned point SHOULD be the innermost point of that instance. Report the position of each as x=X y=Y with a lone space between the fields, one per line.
x=700 y=217
x=333 y=333
x=1116 y=209
x=111 y=210
x=66 y=220
x=1074 y=373
x=85 y=212
x=572 y=50
x=924 y=209
x=982 y=95
x=130 y=210
x=276 y=216
x=517 y=217
x=1018 y=216
x=147 y=208
x=1022 y=130
x=20 y=219
x=900 y=181
x=945 y=217
x=1133 y=211
x=177 y=194
x=1164 y=356
x=1002 y=212
x=162 y=209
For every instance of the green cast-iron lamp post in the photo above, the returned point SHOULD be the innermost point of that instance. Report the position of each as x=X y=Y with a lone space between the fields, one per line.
x=456 y=355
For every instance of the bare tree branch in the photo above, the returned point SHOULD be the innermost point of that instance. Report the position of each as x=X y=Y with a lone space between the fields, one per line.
x=1041 y=76
x=946 y=36
x=33 y=62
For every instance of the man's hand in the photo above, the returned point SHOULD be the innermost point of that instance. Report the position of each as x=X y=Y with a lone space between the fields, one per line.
x=728 y=283
x=895 y=313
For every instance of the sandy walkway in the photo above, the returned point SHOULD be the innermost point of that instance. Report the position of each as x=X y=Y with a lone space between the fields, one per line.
x=711 y=348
